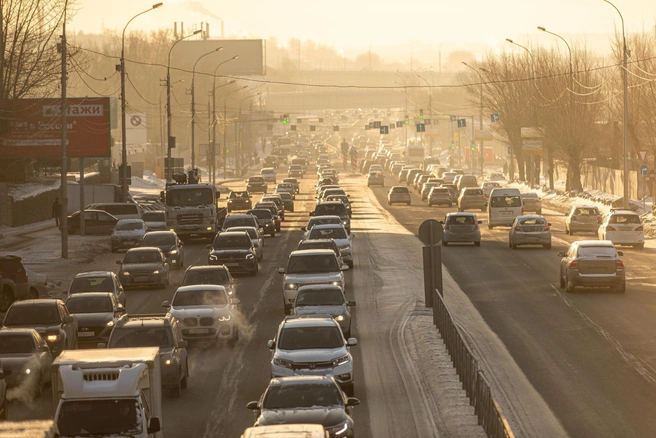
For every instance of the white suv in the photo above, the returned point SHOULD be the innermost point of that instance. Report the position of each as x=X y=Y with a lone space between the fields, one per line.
x=313 y=345
x=623 y=227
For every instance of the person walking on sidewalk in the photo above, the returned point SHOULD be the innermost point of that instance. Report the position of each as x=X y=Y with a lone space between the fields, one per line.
x=56 y=211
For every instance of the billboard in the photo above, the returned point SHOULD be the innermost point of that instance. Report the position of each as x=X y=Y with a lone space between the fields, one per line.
x=34 y=130
x=251 y=61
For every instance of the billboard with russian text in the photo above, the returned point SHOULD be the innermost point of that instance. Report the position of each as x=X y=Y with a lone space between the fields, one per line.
x=33 y=128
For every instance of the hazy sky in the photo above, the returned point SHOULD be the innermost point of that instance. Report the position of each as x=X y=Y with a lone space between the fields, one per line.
x=358 y=23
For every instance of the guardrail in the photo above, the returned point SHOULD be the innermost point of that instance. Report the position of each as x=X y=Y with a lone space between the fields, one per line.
x=473 y=381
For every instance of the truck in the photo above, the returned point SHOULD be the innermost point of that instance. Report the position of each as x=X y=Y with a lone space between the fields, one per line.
x=29 y=429
x=93 y=194
x=192 y=209
x=414 y=154
x=108 y=392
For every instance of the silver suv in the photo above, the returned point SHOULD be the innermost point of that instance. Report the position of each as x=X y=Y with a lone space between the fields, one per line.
x=310 y=266
x=592 y=263
x=313 y=345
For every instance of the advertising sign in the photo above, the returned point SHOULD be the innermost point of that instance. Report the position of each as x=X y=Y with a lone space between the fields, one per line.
x=34 y=128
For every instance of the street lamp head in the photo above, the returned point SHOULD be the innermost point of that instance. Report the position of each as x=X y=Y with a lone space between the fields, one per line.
x=464 y=63
x=510 y=41
x=196 y=32
x=218 y=49
x=542 y=29
x=245 y=86
x=157 y=5
x=235 y=57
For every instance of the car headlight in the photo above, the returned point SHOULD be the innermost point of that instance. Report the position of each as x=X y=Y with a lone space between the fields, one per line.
x=336 y=283
x=52 y=338
x=339 y=318
x=27 y=371
x=341 y=360
x=126 y=273
x=156 y=271
x=223 y=318
x=340 y=429
x=110 y=323
x=213 y=257
x=173 y=251
x=250 y=256
x=282 y=362
x=167 y=362
x=291 y=286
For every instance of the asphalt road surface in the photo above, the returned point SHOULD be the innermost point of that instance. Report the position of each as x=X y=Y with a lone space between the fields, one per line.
x=589 y=354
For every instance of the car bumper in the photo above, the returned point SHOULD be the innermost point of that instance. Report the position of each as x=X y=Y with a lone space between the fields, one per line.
x=531 y=239
x=399 y=199
x=124 y=243
x=247 y=266
x=596 y=280
x=98 y=335
x=440 y=201
x=583 y=226
x=138 y=280
x=268 y=227
x=219 y=331
x=473 y=205
x=625 y=238
x=461 y=237
x=343 y=374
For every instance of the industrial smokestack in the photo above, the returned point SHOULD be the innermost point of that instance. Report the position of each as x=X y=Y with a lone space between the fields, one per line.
x=222 y=30
x=207 y=30
x=182 y=29
x=175 y=30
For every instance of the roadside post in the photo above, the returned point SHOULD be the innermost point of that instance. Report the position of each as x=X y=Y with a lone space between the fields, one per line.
x=430 y=233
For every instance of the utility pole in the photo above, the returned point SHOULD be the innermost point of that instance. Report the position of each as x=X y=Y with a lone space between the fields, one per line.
x=63 y=202
x=193 y=106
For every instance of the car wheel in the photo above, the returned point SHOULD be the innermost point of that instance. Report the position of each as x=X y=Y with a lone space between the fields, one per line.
x=176 y=391
x=350 y=264
x=477 y=243
x=639 y=246
x=561 y=281
x=6 y=299
x=445 y=243
x=621 y=288
x=547 y=246
x=569 y=286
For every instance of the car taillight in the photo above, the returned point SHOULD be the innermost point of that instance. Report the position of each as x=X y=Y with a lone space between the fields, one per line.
x=610 y=228
x=619 y=264
x=483 y=197
x=574 y=219
x=599 y=220
x=640 y=228
x=26 y=279
x=574 y=265
x=517 y=228
x=546 y=227
x=522 y=210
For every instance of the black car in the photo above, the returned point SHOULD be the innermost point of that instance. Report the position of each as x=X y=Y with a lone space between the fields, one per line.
x=213 y=274
x=287 y=200
x=344 y=199
x=47 y=316
x=239 y=201
x=274 y=212
x=306 y=400
x=265 y=220
x=144 y=267
x=333 y=208
x=169 y=243
x=95 y=222
x=239 y=220
x=256 y=184
x=294 y=182
x=96 y=313
x=234 y=249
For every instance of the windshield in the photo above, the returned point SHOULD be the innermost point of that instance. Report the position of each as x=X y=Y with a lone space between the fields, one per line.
x=242 y=195
x=474 y=192
x=200 y=298
x=597 y=251
x=326 y=297
x=92 y=418
x=206 y=276
x=330 y=210
x=154 y=216
x=461 y=220
x=328 y=233
x=142 y=257
x=92 y=284
x=301 y=396
x=255 y=179
x=261 y=213
x=506 y=201
x=127 y=226
x=231 y=241
x=189 y=197
x=252 y=232
x=139 y=336
x=306 y=264
x=624 y=219
x=33 y=315
x=532 y=221
x=247 y=221
x=82 y=304
x=304 y=338
x=156 y=239
x=16 y=344
x=586 y=212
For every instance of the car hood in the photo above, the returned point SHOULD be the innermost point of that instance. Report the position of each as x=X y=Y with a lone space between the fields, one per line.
x=312 y=355
x=140 y=267
x=156 y=224
x=17 y=361
x=326 y=277
x=128 y=233
x=343 y=243
x=94 y=319
x=38 y=327
x=230 y=252
x=199 y=311
x=165 y=248
x=314 y=310
x=326 y=416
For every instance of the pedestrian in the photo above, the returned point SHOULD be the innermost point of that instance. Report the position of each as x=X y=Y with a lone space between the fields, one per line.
x=505 y=168
x=56 y=211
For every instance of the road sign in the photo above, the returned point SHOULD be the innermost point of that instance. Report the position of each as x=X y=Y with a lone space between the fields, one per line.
x=376 y=125
x=644 y=170
x=430 y=232
x=462 y=123
x=384 y=129
x=643 y=154
x=421 y=127
x=494 y=117
x=399 y=124
x=453 y=118
x=652 y=175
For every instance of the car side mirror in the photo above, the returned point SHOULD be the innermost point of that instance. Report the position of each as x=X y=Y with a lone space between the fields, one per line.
x=208 y=246
x=235 y=301
x=303 y=228
x=352 y=401
x=119 y=262
x=166 y=304
x=68 y=319
x=120 y=309
x=344 y=267
x=183 y=344
x=352 y=236
x=620 y=253
x=350 y=303
x=177 y=283
x=351 y=342
x=253 y=405
x=154 y=426
x=281 y=270
x=562 y=254
x=102 y=345
x=311 y=213
x=271 y=344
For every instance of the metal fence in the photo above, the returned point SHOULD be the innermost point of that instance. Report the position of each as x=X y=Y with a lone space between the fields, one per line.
x=474 y=383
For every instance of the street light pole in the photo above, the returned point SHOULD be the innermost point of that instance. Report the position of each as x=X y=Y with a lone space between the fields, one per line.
x=124 y=150
x=511 y=172
x=625 y=113
x=214 y=87
x=169 y=117
x=480 y=115
x=430 y=112
x=571 y=100
x=193 y=106
x=225 y=109
x=238 y=162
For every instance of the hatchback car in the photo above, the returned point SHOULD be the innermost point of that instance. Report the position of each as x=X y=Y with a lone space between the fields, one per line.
x=276 y=199
x=427 y=186
x=128 y=233
x=375 y=178
x=144 y=267
x=274 y=211
x=325 y=299
x=531 y=202
x=461 y=227
x=235 y=250
x=170 y=245
x=344 y=199
x=592 y=263
x=530 y=229
x=96 y=313
x=313 y=345
x=306 y=399
x=439 y=196
x=583 y=218
x=256 y=238
x=399 y=195
x=239 y=201
x=623 y=227
x=472 y=198
x=321 y=220
x=98 y=281
x=321 y=244
x=295 y=170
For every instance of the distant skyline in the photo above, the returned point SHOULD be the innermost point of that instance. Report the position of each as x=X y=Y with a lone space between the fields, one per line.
x=347 y=25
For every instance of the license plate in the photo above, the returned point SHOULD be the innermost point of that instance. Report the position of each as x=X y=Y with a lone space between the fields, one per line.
x=626 y=229
x=506 y=213
x=85 y=334
x=199 y=331
x=140 y=279
x=232 y=264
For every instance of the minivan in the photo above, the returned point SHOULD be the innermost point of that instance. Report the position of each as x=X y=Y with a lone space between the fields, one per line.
x=504 y=205
x=120 y=210
x=467 y=181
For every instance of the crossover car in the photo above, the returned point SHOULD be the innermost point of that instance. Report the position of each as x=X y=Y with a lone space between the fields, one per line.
x=240 y=220
x=623 y=227
x=269 y=174
x=318 y=220
x=333 y=208
x=264 y=220
x=26 y=361
x=530 y=229
x=344 y=199
x=169 y=243
x=461 y=227
x=294 y=182
x=235 y=250
x=276 y=199
x=256 y=238
x=98 y=281
x=256 y=184
x=239 y=201
x=472 y=198
x=295 y=170
x=313 y=345
x=144 y=267
x=325 y=299
x=531 y=202
x=439 y=196
x=274 y=211
x=210 y=274
x=583 y=218
x=399 y=195
x=592 y=263
x=336 y=232
x=284 y=187
x=375 y=178
x=96 y=314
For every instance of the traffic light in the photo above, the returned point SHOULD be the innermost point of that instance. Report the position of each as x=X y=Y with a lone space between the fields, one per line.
x=473 y=148
x=407 y=120
x=285 y=119
x=421 y=114
x=453 y=147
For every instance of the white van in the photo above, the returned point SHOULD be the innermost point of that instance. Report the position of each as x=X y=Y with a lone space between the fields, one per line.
x=504 y=205
x=120 y=210
x=286 y=431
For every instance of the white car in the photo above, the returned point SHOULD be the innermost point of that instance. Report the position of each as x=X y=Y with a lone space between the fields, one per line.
x=204 y=312
x=623 y=227
x=338 y=233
